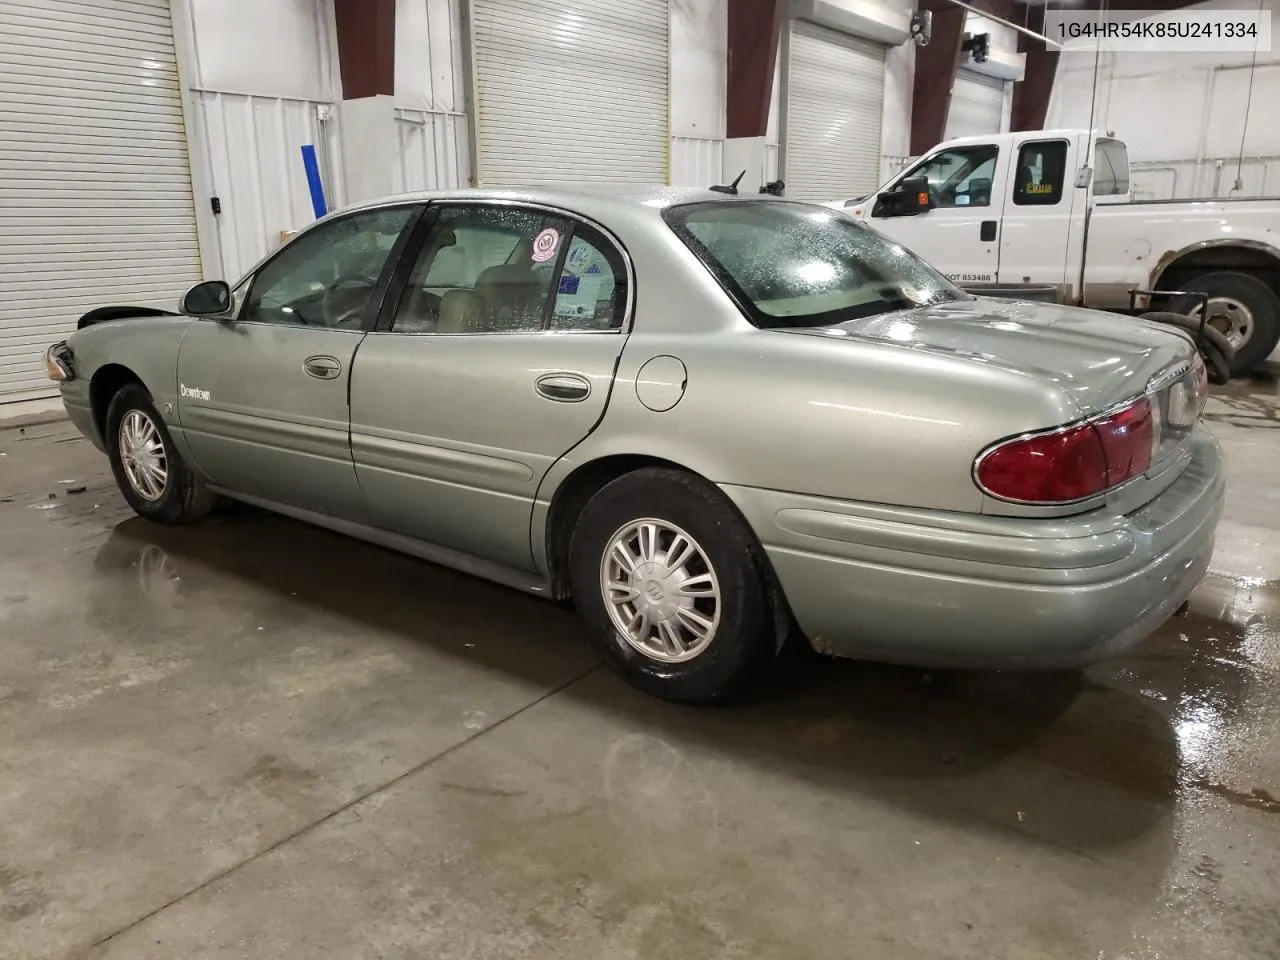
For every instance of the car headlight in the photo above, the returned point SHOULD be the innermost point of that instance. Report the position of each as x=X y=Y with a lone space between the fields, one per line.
x=58 y=363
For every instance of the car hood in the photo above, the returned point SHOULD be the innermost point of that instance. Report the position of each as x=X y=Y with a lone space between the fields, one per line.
x=1098 y=359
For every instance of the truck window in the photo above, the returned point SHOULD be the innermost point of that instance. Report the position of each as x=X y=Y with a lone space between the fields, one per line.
x=959 y=177
x=1041 y=171
x=1111 y=174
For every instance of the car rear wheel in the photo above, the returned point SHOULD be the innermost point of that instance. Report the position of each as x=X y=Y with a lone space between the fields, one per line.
x=674 y=589
x=148 y=468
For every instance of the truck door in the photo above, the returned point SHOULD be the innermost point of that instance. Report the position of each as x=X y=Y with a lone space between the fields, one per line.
x=960 y=233
x=1037 y=233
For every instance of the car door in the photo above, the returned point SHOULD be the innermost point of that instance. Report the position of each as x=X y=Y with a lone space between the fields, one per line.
x=1038 y=219
x=960 y=233
x=496 y=360
x=263 y=398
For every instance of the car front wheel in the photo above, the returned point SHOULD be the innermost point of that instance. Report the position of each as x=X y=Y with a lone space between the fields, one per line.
x=674 y=589
x=148 y=468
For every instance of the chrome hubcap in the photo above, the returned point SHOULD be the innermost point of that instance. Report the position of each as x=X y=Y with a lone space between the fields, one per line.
x=143 y=457
x=660 y=590
x=1232 y=319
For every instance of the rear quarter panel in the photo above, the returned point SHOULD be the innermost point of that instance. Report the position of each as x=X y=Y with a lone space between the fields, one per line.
x=853 y=421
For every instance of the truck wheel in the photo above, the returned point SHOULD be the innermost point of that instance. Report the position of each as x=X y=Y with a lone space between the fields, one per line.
x=673 y=587
x=1242 y=308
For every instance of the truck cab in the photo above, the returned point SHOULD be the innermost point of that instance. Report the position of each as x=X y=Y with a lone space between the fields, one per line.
x=1049 y=215
x=1003 y=210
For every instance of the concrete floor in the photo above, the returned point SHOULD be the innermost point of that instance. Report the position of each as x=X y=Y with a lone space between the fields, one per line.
x=250 y=738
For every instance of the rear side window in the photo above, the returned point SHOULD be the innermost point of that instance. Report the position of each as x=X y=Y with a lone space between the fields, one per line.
x=1040 y=174
x=1111 y=168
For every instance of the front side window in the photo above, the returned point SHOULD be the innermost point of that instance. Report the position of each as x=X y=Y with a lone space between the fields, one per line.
x=511 y=270
x=959 y=177
x=1041 y=173
x=327 y=277
x=795 y=265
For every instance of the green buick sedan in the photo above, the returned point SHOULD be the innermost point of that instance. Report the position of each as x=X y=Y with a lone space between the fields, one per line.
x=713 y=421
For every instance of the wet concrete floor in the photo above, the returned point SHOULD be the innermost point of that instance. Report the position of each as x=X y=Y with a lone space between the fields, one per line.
x=250 y=738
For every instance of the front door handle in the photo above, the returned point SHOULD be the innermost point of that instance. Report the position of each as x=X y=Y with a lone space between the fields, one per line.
x=322 y=368
x=987 y=232
x=564 y=387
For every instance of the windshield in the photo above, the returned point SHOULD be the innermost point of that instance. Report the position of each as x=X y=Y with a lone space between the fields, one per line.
x=797 y=265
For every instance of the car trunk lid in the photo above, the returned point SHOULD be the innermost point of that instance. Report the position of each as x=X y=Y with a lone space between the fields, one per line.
x=1098 y=359
x=1102 y=362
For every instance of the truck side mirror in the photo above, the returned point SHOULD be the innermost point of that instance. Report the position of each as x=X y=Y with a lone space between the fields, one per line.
x=915 y=196
x=908 y=198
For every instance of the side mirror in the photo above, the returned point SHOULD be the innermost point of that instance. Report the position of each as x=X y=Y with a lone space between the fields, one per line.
x=907 y=199
x=209 y=299
x=915 y=196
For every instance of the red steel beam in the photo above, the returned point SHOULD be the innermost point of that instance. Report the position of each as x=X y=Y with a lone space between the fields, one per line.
x=755 y=27
x=366 y=47
x=935 y=73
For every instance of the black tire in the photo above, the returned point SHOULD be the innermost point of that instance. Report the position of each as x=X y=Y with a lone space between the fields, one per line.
x=1255 y=295
x=752 y=624
x=183 y=497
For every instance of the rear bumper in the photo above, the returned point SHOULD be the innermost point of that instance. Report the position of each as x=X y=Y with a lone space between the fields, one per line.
x=959 y=590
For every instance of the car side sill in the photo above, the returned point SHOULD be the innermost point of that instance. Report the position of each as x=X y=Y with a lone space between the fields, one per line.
x=445 y=556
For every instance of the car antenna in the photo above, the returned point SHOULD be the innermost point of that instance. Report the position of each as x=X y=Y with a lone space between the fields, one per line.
x=731 y=188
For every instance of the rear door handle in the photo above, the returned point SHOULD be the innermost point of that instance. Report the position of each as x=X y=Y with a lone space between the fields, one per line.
x=987 y=232
x=564 y=387
x=322 y=368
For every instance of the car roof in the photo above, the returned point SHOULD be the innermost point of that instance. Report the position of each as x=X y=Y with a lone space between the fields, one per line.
x=605 y=201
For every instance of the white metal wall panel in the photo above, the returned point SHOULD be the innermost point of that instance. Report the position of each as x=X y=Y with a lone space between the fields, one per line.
x=431 y=150
x=253 y=146
x=696 y=161
x=977 y=105
x=95 y=184
x=567 y=90
x=834 y=112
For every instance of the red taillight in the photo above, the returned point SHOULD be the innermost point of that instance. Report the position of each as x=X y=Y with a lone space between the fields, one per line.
x=1071 y=464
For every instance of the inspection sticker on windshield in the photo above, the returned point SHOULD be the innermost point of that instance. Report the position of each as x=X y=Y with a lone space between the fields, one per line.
x=545 y=244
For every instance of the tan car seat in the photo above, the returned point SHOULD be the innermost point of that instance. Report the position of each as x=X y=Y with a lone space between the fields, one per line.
x=513 y=297
x=461 y=311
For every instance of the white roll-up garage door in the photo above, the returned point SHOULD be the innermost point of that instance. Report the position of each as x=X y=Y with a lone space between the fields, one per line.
x=835 y=101
x=977 y=105
x=95 y=186
x=571 y=91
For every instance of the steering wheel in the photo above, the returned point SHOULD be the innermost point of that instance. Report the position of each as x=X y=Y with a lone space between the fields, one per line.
x=342 y=289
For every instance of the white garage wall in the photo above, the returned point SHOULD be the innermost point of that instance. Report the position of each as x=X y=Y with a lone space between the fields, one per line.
x=260 y=74
x=698 y=49
x=1193 y=153
x=433 y=145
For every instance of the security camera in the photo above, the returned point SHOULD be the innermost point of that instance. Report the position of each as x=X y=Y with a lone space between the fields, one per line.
x=978 y=46
x=922 y=27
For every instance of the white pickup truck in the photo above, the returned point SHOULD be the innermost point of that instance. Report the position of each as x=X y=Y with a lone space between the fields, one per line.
x=1052 y=210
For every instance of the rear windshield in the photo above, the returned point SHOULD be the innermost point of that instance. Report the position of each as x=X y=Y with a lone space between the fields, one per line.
x=799 y=265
